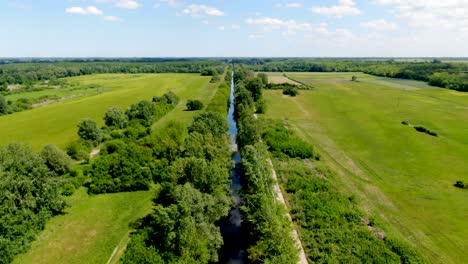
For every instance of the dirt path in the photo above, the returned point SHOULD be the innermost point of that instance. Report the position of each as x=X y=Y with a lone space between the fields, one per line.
x=94 y=152
x=280 y=198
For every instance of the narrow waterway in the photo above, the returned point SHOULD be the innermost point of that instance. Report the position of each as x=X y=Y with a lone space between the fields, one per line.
x=235 y=241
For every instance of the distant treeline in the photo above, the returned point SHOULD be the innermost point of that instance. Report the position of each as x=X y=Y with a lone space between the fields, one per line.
x=447 y=75
x=27 y=73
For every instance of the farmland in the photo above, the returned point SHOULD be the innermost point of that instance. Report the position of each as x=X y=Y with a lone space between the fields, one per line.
x=56 y=123
x=403 y=177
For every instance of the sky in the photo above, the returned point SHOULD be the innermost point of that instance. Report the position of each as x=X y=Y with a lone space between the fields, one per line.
x=234 y=28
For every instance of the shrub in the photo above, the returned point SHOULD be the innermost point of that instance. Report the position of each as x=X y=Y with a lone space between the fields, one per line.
x=290 y=91
x=3 y=105
x=460 y=184
x=261 y=106
x=193 y=105
x=79 y=150
x=89 y=130
x=280 y=141
x=142 y=111
x=115 y=117
x=56 y=159
x=424 y=130
x=405 y=123
x=169 y=97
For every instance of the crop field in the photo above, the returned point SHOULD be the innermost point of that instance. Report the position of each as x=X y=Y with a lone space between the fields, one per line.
x=402 y=177
x=56 y=123
x=278 y=77
x=90 y=230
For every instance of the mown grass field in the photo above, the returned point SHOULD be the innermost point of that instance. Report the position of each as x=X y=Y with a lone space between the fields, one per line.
x=403 y=177
x=56 y=123
x=90 y=230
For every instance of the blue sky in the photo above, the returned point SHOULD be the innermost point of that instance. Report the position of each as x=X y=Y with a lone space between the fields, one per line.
x=194 y=28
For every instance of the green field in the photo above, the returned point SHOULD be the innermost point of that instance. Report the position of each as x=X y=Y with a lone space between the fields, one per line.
x=90 y=230
x=403 y=177
x=56 y=123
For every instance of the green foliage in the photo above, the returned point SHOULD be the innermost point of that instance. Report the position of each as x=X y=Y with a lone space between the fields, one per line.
x=193 y=105
x=88 y=130
x=354 y=78
x=255 y=86
x=292 y=91
x=121 y=166
x=169 y=97
x=195 y=195
x=29 y=197
x=142 y=111
x=3 y=105
x=27 y=73
x=269 y=228
x=115 y=117
x=56 y=159
x=460 y=184
x=261 y=106
x=209 y=123
x=263 y=77
x=79 y=149
x=331 y=225
x=280 y=141
x=220 y=102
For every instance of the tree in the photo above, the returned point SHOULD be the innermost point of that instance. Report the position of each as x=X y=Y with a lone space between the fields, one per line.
x=89 y=130
x=255 y=86
x=29 y=197
x=3 y=105
x=193 y=105
x=209 y=123
x=143 y=111
x=354 y=78
x=290 y=91
x=264 y=77
x=56 y=159
x=115 y=117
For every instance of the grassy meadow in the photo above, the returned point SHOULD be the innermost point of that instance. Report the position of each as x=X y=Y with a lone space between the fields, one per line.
x=403 y=177
x=90 y=230
x=56 y=123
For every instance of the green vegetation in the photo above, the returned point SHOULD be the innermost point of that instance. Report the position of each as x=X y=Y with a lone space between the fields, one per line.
x=447 y=75
x=194 y=196
x=220 y=101
x=280 y=142
x=29 y=197
x=402 y=177
x=194 y=105
x=331 y=225
x=92 y=227
x=56 y=122
x=269 y=228
x=291 y=91
x=30 y=73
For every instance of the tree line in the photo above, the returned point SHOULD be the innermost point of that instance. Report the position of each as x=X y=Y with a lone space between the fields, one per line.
x=269 y=229
x=29 y=73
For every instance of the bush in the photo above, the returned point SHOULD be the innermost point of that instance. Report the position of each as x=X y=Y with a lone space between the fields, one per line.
x=79 y=150
x=460 y=184
x=115 y=117
x=142 y=111
x=290 y=91
x=56 y=159
x=89 y=130
x=424 y=130
x=405 y=123
x=169 y=97
x=193 y=105
x=280 y=142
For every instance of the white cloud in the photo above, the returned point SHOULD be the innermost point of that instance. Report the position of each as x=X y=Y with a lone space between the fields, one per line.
x=432 y=14
x=202 y=10
x=111 y=18
x=344 y=8
x=290 y=5
x=172 y=3
x=379 y=24
x=127 y=4
x=90 y=10
x=235 y=26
